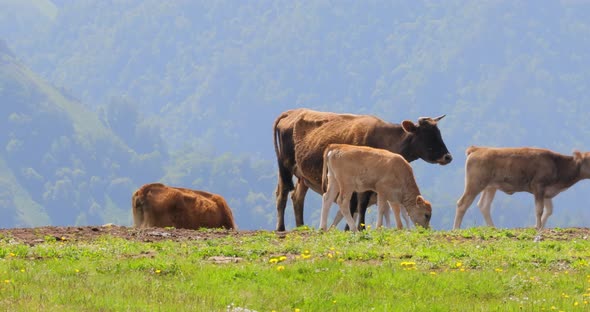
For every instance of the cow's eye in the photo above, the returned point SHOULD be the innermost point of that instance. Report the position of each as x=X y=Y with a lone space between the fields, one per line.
x=427 y=216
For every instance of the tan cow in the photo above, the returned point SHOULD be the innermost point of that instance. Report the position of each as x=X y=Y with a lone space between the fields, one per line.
x=350 y=168
x=158 y=205
x=301 y=135
x=540 y=172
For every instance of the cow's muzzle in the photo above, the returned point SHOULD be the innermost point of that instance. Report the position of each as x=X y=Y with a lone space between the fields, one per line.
x=447 y=158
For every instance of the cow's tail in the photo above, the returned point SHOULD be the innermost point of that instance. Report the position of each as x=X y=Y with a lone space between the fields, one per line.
x=325 y=170
x=284 y=173
x=137 y=204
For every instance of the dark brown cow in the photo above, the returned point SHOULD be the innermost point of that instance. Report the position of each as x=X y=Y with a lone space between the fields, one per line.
x=301 y=135
x=158 y=205
x=541 y=172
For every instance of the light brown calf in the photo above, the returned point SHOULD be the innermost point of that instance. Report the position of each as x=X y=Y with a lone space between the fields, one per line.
x=350 y=168
x=538 y=171
x=158 y=205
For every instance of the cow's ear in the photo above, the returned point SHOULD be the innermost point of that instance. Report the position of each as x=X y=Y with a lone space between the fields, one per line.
x=420 y=200
x=578 y=155
x=409 y=126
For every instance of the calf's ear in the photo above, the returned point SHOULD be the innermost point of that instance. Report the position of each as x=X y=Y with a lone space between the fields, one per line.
x=409 y=126
x=420 y=200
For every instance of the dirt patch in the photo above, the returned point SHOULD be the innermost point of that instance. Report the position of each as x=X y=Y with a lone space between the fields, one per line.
x=37 y=235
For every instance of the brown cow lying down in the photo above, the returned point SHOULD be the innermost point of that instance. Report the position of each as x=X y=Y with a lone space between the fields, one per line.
x=538 y=171
x=350 y=168
x=158 y=205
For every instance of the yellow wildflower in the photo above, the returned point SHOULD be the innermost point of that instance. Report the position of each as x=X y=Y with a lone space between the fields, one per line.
x=330 y=255
x=273 y=260
x=458 y=264
x=280 y=268
x=158 y=271
x=498 y=270
x=282 y=258
x=432 y=273
x=12 y=254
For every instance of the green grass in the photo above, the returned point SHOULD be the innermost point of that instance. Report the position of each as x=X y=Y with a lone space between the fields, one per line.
x=478 y=269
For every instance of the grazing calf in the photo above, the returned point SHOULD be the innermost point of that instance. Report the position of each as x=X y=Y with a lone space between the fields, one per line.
x=350 y=168
x=158 y=205
x=538 y=171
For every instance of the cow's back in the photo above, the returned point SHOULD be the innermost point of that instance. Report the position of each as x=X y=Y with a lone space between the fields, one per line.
x=312 y=137
x=511 y=169
x=158 y=205
x=363 y=167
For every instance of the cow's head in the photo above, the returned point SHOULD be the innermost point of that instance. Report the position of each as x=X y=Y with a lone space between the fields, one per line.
x=426 y=142
x=422 y=213
x=584 y=160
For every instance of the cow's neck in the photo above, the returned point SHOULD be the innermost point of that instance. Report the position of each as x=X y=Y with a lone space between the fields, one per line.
x=396 y=140
x=569 y=171
x=410 y=193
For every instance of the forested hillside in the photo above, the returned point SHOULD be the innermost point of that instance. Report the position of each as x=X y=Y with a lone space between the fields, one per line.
x=186 y=93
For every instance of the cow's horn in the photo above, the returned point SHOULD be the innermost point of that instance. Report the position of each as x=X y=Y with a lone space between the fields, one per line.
x=439 y=117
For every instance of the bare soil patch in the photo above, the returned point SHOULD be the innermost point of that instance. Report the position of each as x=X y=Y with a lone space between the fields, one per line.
x=37 y=235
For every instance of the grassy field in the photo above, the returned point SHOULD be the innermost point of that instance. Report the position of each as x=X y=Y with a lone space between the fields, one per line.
x=478 y=269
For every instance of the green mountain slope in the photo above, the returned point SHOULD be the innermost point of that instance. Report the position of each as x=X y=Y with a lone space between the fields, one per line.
x=60 y=164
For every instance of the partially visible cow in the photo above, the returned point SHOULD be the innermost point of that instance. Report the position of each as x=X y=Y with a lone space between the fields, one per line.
x=541 y=172
x=158 y=205
x=301 y=135
x=349 y=168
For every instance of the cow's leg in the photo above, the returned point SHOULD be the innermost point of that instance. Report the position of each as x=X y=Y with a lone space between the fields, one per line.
x=462 y=204
x=298 y=198
x=363 y=203
x=382 y=207
x=539 y=204
x=404 y=213
x=282 y=193
x=548 y=211
x=344 y=204
x=396 y=207
x=485 y=203
x=386 y=215
x=337 y=219
x=327 y=199
x=353 y=207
